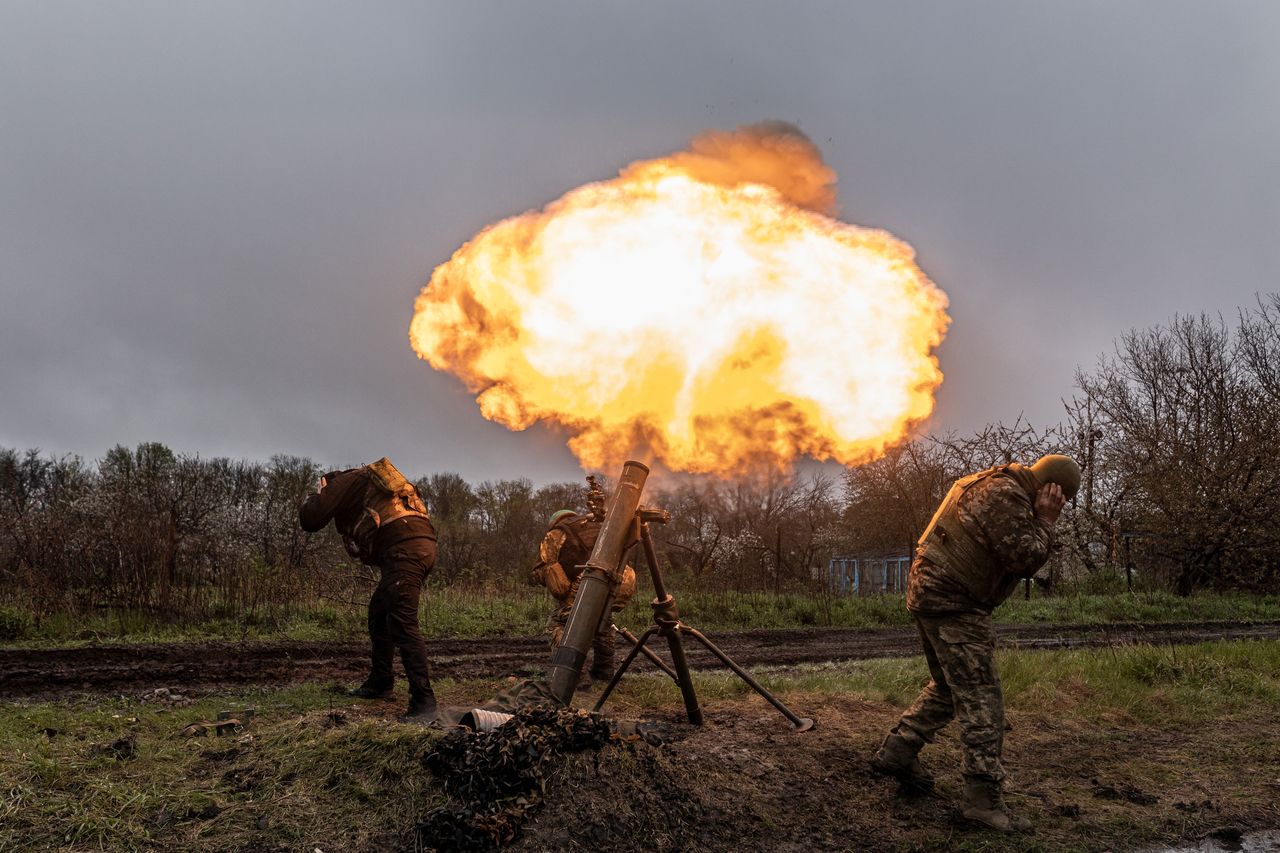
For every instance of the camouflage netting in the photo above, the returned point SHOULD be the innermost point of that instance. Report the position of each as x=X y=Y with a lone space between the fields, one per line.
x=496 y=779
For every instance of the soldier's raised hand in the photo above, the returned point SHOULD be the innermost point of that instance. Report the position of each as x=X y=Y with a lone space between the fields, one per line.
x=1049 y=502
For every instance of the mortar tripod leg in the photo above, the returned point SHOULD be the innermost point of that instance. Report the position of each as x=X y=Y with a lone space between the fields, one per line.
x=647 y=652
x=671 y=630
x=622 y=668
x=801 y=724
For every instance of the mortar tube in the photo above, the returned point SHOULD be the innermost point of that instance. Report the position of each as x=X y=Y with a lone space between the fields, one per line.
x=480 y=720
x=591 y=605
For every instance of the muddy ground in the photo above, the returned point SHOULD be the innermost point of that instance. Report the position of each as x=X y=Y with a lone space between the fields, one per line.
x=57 y=673
x=1090 y=781
x=744 y=781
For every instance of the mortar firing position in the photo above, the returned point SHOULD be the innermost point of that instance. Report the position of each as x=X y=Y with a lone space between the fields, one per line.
x=992 y=529
x=561 y=556
x=384 y=523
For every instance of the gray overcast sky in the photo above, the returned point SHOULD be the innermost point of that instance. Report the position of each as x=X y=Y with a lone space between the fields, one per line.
x=214 y=217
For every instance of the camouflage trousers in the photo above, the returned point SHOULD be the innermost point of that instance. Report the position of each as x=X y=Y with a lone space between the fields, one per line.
x=602 y=644
x=960 y=649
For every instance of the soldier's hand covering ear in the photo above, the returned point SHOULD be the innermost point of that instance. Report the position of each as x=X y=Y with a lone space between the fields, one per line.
x=1049 y=502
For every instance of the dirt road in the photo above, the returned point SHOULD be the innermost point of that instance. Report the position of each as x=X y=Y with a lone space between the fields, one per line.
x=43 y=674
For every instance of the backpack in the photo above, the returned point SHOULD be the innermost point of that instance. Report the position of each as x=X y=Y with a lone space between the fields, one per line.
x=387 y=497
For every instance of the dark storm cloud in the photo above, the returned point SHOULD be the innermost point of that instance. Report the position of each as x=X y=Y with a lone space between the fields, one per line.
x=214 y=217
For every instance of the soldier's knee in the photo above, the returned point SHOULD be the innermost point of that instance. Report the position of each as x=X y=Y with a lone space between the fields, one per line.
x=938 y=691
x=405 y=630
x=982 y=736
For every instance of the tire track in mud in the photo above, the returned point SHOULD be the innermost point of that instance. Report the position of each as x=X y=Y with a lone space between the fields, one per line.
x=56 y=673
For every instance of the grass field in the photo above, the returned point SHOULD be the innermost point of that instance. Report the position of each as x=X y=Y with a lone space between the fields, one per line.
x=449 y=612
x=1194 y=726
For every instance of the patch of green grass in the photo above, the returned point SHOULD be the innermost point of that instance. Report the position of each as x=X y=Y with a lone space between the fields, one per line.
x=320 y=622
x=467 y=613
x=301 y=775
x=1150 y=606
x=1150 y=684
x=1145 y=682
x=14 y=623
x=523 y=611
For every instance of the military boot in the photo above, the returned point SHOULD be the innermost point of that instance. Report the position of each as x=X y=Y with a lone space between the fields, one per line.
x=422 y=710
x=898 y=757
x=601 y=673
x=371 y=691
x=984 y=803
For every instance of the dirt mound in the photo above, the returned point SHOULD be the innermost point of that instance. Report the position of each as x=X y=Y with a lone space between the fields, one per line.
x=496 y=779
x=567 y=780
x=625 y=799
x=589 y=786
x=743 y=780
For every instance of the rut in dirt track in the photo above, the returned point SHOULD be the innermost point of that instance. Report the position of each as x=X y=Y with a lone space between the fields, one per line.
x=49 y=673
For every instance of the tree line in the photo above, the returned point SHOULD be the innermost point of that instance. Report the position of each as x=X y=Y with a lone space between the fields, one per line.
x=1176 y=430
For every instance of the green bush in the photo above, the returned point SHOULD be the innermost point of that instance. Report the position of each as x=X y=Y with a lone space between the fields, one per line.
x=15 y=624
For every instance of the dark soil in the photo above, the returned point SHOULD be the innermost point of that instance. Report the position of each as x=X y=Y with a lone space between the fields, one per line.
x=744 y=781
x=54 y=673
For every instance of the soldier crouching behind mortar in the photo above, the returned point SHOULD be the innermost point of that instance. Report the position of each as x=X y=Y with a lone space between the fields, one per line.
x=384 y=523
x=561 y=555
x=992 y=529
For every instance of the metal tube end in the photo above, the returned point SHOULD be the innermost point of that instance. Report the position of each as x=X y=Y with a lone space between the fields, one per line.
x=480 y=720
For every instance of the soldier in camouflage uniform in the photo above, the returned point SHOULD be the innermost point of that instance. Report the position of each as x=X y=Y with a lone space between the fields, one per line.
x=564 y=550
x=992 y=529
x=384 y=523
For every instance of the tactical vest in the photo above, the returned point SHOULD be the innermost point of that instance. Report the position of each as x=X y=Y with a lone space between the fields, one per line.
x=387 y=497
x=580 y=532
x=949 y=545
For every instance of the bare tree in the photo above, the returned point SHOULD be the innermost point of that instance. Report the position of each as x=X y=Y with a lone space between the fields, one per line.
x=452 y=504
x=1186 y=416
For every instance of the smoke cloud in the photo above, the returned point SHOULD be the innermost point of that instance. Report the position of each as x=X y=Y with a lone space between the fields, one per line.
x=773 y=153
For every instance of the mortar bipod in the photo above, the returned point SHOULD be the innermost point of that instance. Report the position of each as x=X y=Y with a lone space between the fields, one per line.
x=666 y=618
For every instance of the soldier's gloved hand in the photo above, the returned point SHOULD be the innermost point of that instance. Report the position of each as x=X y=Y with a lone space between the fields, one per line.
x=1049 y=503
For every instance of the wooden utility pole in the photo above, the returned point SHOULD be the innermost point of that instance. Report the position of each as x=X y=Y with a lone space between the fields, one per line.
x=777 y=560
x=1094 y=435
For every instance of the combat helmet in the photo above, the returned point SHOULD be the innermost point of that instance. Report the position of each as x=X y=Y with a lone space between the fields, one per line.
x=559 y=514
x=1056 y=468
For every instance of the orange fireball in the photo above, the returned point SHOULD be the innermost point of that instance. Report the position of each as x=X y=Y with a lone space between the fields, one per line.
x=701 y=310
